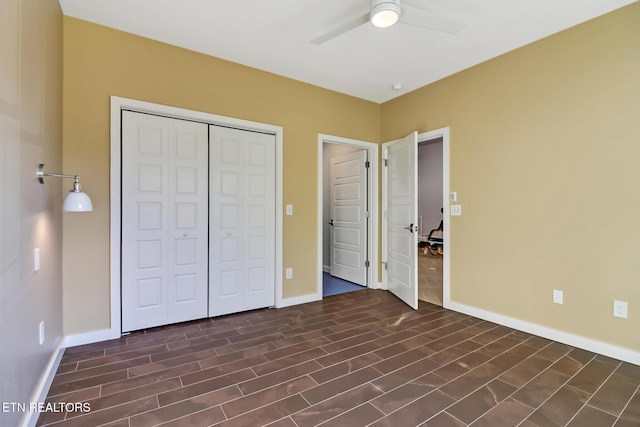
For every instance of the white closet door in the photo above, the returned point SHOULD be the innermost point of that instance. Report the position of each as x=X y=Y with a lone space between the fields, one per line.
x=242 y=220
x=348 y=204
x=164 y=220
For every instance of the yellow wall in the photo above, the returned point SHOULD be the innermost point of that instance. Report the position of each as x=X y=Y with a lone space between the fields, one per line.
x=545 y=157
x=100 y=62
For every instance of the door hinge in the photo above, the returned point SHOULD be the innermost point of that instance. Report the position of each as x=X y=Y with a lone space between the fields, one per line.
x=366 y=214
x=367 y=164
x=367 y=264
x=385 y=265
x=386 y=162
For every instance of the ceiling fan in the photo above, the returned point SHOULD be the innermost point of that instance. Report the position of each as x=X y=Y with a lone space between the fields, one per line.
x=385 y=13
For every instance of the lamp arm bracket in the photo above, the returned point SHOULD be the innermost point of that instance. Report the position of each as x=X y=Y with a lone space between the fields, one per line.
x=41 y=174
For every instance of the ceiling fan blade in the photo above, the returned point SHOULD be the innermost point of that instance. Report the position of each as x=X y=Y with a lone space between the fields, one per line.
x=422 y=18
x=341 y=29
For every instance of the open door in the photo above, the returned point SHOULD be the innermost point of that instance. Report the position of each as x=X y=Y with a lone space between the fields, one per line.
x=400 y=201
x=348 y=207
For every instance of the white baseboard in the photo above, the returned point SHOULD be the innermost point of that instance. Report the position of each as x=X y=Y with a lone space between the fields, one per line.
x=379 y=285
x=326 y=269
x=91 y=337
x=599 y=347
x=42 y=388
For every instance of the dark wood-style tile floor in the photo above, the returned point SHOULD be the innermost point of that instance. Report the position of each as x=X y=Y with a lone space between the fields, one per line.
x=355 y=359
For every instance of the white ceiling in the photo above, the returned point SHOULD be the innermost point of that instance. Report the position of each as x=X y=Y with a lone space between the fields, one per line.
x=275 y=35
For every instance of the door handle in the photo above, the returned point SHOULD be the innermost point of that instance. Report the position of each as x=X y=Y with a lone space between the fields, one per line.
x=410 y=228
x=331 y=222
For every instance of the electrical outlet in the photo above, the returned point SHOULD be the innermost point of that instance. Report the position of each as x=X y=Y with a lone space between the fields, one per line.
x=453 y=196
x=288 y=274
x=620 y=309
x=289 y=209
x=558 y=296
x=41 y=332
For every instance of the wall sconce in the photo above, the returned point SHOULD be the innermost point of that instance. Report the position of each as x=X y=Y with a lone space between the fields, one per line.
x=76 y=200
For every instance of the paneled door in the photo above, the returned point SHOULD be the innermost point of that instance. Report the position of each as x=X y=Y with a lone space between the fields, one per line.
x=242 y=220
x=401 y=213
x=164 y=220
x=348 y=207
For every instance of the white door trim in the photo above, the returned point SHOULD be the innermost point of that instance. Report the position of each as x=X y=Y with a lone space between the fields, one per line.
x=118 y=104
x=372 y=148
x=446 y=212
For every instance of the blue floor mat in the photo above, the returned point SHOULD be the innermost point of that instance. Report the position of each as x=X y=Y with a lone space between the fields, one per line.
x=333 y=286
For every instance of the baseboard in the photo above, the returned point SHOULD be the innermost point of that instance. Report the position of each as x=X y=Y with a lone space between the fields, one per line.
x=379 y=285
x=91 y=337
x=599 y=347
x=326 y=269
x=42 y=388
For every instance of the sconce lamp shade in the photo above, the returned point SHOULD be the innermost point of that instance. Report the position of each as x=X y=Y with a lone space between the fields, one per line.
x=77 y=201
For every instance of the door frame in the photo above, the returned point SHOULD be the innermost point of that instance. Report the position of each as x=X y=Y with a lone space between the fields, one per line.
x=446 y=208
x=117 y=105
x=372 y=241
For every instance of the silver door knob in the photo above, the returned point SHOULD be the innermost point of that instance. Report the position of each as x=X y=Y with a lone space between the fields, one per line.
x=410 y=228
x=185 y=234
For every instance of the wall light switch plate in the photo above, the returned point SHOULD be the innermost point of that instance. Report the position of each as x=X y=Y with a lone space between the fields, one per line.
x=36 y=259
x=41 y=332
x=558 y=296
x=456 y=210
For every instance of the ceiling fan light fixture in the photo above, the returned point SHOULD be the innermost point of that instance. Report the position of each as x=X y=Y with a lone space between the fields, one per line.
x=385 y=13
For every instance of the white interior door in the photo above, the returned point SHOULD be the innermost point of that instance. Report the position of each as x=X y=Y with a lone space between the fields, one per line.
x=401 y=231
x=348 y=207
x=164 y=220
x=242 y=220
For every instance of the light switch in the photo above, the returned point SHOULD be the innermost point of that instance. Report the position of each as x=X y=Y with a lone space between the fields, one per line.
x=36 y=259
x=456 y=210
x=558 y=296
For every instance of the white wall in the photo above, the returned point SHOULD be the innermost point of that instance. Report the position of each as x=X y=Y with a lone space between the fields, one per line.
x=30 y=213
x=430 y=184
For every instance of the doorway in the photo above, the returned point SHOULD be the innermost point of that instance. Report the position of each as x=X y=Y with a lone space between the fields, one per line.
x=430 y=221
x=400 y=228
x=347 y=215
x=191 y=248
x=118 y=106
